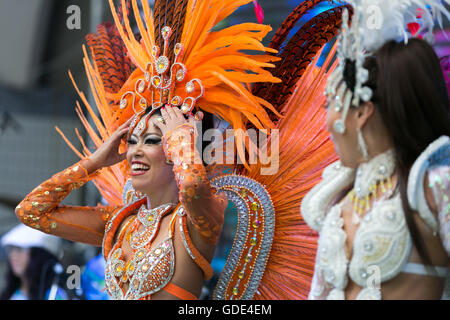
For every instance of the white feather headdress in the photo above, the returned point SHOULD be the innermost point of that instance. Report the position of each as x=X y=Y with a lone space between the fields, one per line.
x=385 y=20
x=375 y=22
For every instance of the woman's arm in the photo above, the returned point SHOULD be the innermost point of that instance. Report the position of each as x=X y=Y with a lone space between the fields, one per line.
x=204 y=208
x=41 y=210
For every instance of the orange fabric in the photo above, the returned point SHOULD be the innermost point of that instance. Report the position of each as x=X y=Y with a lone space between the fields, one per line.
x=179 y=292
x=41 y=210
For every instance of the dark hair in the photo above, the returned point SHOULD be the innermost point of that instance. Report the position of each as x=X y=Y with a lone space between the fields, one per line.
x=411 y=95
x=39 y=275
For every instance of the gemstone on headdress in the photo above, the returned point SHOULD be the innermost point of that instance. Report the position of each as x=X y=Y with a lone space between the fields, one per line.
x=165 y=32
x=178 y=48
x=190 y=87
x=185 y=108
x=363 y=75
x=366 y=94
x=156 y=81
x=338 y=105
x=198 y=116
x=155 y=51
x=123 y=103
x=339 y=126
x=141 y=87
x=180 y=75
x=176 y=101
x=143 y=103
x=162 y=64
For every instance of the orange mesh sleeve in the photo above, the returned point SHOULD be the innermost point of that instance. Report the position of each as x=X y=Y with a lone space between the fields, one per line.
x=41 y=210
x=204 y=208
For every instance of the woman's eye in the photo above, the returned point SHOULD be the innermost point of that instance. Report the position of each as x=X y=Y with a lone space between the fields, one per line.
x=131 y=142
x=152 y=141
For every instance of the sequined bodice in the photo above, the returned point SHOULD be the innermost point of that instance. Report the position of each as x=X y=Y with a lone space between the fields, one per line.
x=146 y=274
x=150 y=268
x=382 y=243
x=381 y=247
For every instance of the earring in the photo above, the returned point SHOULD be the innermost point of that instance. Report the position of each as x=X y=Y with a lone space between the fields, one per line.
x=339 y=126
x=362 y=145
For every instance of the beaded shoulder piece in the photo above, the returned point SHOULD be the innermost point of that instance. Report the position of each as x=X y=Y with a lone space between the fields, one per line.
x=436 y=154
x=253 y=240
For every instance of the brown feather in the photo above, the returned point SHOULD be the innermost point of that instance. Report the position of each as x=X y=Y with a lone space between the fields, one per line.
x=290 y=22
x=108 y=47
x=298 y=54
x=164 y=10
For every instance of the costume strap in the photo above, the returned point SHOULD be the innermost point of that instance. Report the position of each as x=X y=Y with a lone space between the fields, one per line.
x=179 y=292
x=190 y=248
x=173 y=221
x=115 y=222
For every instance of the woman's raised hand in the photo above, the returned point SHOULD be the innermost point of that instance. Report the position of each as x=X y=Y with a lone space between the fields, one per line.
x=108 y=153
x=171 y=118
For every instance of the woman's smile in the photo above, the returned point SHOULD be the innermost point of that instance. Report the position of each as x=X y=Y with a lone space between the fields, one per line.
x=139 y=168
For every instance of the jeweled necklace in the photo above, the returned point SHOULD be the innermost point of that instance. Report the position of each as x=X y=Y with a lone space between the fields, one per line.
x=371 y=178
x=139 y=241
x=150 y=219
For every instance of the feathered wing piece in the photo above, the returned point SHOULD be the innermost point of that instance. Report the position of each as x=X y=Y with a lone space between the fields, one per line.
x=107 y=50
x=305 y=150
x=273 y=252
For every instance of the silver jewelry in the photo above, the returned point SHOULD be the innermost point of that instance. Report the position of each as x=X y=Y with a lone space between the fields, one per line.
x=362 y=145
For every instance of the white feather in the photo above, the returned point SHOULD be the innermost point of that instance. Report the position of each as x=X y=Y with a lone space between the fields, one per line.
x=395 y=16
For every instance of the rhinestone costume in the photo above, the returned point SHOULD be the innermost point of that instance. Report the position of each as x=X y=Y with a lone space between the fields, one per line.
x=151 y=268
x=229 y=71
x=383 y=238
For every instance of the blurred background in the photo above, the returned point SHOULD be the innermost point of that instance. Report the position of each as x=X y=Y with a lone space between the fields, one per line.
x=39 y=45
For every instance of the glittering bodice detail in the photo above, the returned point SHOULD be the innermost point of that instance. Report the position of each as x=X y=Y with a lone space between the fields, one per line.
x=147 y=273
x=150 y=268
x=381 y=247
x=382 y=242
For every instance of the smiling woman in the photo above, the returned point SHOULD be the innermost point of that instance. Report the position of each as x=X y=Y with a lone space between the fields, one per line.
x=167 y=207
x=159 y=243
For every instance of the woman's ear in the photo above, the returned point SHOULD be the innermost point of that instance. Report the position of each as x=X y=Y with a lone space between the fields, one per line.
x=364 y=112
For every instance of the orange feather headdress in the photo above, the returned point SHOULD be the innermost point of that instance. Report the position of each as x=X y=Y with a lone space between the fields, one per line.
x=176 y=58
